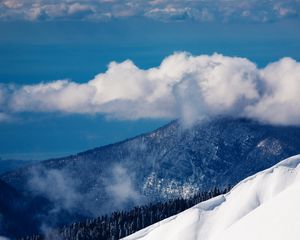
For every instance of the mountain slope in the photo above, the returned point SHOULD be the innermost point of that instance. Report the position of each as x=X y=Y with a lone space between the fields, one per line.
x=169 y=162
x=22 y=213
x=263 y=206
x=12 y=164
x=16 y=212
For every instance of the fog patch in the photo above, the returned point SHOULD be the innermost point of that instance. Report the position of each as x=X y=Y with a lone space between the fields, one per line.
x=121 y=188
x=58 y=186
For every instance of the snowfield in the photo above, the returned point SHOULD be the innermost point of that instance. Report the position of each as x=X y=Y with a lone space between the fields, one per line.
x=263 y=206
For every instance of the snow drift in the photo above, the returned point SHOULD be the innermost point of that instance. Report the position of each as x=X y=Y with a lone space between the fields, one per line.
x=263 y=206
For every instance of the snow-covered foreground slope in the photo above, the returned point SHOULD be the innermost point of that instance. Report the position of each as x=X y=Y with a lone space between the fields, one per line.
x=263 y=206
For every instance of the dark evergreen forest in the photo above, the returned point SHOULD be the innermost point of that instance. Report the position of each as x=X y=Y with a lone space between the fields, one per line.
x=123 y=223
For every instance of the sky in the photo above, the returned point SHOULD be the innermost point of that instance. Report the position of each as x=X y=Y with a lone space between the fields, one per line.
x=80 y=74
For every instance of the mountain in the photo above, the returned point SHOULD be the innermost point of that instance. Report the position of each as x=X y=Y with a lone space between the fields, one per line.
x=170 y=162
x=7 y=165
x=23 y=213
x=123 y=223
x=16 y=211
x=263 y=206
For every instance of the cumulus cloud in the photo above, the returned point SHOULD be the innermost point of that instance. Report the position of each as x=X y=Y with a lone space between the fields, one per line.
x=183 y=86
x=162 y=10
x=61 y=95
x=279 y=102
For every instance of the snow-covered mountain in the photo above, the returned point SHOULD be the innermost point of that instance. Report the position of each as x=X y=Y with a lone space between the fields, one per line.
x=167 y=163
x=173 y=161
x=263 y=206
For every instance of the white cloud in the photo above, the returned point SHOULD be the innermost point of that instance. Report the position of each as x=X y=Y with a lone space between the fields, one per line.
x=120 y=187
x=12 y=4
x=61 y=95
x=183 y=86
x=58 y=186
x=170 y=13
x=280 y=102
x=79 y=8
x=283 y=9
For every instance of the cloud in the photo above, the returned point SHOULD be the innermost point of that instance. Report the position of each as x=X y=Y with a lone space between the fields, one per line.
x=61 y=95
x=170 y=13
x=68 y=198
x=58 y=186
x=279 y=104
x=183 y=86
x=66 y=194
x=5 y=117
x=161 y=10
x=76 y=8
x=12 y=4
x=120 y=188
x=3 y=89
x=285 y=10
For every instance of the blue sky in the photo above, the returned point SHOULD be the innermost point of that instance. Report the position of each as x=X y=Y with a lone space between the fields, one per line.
x=38 y=46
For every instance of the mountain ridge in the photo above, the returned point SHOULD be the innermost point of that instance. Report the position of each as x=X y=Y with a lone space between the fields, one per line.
x=231 y=216
x=167 y=163
x=163 y=143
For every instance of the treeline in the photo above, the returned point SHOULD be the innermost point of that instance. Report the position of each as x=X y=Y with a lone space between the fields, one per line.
x=123 y=223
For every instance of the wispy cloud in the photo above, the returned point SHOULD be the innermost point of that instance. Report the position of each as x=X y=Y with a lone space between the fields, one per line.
x=3 y=238
x=183 y=86
x=120 y=187
x=57 y=186
x=113 y=190
x=4 y=117
x=162 y=10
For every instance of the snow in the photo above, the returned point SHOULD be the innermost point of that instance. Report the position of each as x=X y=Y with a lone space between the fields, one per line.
x=263 y=206
x=281 y=215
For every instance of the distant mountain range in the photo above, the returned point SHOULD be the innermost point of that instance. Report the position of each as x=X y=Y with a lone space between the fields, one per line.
x=170 y=162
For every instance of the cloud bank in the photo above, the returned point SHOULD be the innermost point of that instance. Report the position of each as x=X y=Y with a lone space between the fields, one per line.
x=162 y=10
x=183 y=86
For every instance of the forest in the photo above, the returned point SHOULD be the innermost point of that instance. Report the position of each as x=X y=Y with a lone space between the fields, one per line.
x=123 y=223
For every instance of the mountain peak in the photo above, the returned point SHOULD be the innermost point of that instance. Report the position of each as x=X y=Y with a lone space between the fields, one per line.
x=167 y=163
